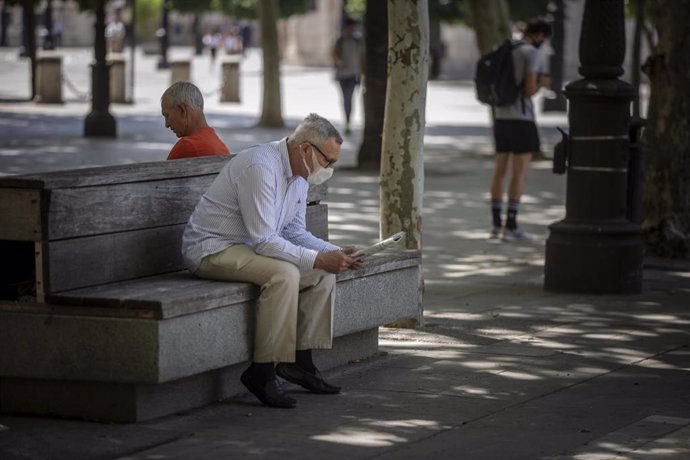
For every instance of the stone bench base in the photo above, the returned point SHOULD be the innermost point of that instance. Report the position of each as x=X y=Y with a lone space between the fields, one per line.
x=137 y=402
x=152 y=346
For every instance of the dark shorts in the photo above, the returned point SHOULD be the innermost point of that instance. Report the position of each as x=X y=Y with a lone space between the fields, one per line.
x=516 y=136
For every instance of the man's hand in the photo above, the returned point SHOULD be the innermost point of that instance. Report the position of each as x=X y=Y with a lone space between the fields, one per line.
x=358 y=262
x=333 y=261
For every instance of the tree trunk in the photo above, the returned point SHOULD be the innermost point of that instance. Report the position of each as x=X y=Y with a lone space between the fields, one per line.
x=271 y=107
x=402 y=160
x=375 y=75
x=402 y=167
x=666 y=222
x=491 y=21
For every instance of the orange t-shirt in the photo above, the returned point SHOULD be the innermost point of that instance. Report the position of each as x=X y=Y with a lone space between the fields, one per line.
x=203 y=142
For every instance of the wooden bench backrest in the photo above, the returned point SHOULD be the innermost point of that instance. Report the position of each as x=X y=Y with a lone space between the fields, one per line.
x=107 y=224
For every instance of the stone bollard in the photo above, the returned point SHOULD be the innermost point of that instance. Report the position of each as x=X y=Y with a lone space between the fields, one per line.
x=230 y=91
x=117 y=77
x=180 y=70
x=49 y=78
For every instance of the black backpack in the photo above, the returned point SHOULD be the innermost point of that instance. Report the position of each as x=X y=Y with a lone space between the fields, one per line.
x=494 y=79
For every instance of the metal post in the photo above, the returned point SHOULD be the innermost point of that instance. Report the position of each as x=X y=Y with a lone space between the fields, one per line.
x=29 y=40
x=596 y=249
x=558 y=103
x=4 y=23
x=100 y=123
x=133 y=49
x=163 y=36
x=48 y=41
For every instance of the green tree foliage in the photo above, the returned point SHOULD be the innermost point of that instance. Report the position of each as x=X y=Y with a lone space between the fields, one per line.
x=191 y=6
x=524 y=10
x=246 y=9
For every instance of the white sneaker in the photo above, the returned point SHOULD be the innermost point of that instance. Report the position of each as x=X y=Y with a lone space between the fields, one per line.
x=495 y=233
x=517 y=235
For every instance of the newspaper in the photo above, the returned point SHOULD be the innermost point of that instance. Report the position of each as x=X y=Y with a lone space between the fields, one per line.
x=380 y=246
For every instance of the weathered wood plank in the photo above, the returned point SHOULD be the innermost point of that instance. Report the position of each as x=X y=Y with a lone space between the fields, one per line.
x=169 y=295
x=131 y=173
x=20 y=214
x=100 y=259
x=111 y=208
x=118 y=174
x=317 y=220
x=41 y=270
x=79 y=262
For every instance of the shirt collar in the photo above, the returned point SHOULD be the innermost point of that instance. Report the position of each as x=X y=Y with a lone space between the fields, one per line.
x=285 y=158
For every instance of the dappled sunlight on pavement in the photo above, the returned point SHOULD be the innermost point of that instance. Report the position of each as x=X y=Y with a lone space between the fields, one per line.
x=498 y=368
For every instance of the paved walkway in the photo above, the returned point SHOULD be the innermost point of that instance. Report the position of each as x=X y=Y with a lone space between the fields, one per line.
x=500 y=368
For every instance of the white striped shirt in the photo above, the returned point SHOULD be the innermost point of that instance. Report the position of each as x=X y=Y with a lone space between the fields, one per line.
x=255 y=200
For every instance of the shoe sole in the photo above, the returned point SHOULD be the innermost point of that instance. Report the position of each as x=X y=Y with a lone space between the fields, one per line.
x=266 y=402
x=284 y=376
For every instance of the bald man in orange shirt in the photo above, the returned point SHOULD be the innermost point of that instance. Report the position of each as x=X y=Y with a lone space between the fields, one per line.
x=182 y=106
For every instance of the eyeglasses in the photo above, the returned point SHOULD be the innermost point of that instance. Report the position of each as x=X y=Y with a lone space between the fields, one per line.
x=329 y=163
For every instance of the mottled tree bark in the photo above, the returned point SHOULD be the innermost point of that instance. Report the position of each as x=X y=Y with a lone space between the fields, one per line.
x=402 y=159
x=271 y=107
x=375 y=76
x=666 y=218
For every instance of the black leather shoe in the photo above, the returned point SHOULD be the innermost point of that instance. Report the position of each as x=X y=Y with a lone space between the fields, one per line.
x=312 y=382
x=269 y=392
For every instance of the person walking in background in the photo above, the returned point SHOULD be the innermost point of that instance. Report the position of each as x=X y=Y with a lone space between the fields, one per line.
x=182 y=106
x=232 y=42
x=250 y=226
x=116 y=32
x=515 y=131
x=348 y=59
x=211 y=41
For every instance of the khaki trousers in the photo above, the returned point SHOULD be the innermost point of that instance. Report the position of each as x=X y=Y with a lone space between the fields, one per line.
x=294 y=310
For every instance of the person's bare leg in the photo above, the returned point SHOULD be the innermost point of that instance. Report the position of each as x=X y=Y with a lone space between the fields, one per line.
x=517 y=181
x=520 y=167
x=502 y=161
x=500 y=169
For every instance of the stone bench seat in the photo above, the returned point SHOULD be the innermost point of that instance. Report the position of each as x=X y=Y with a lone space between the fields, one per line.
x=180 y=293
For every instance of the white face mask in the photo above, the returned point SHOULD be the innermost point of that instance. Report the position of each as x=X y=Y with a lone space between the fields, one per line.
x=320 y=174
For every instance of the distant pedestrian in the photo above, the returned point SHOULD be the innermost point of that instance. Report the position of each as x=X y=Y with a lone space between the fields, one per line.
x=58 y=29
x=232 y=42
x=246 y=34
x=116 y=32
x=182 y=106
x=348 y=59
x=212 y=41
x=515 y=131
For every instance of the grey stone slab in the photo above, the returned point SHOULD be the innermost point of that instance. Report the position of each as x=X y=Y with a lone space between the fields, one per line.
x=54 y=346
x=135 y=402
x=554 y=423
x=376 y=300
x=641 y=439
x=33 y=438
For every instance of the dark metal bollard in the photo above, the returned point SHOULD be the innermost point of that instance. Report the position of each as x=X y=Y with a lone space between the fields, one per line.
x=596 y=248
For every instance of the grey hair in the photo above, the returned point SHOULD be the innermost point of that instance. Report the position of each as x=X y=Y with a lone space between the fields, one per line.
x=317 y=129
x=184 y=92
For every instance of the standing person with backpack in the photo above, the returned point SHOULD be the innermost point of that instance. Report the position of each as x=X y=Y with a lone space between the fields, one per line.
x=515 y=129
x=348 y=59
